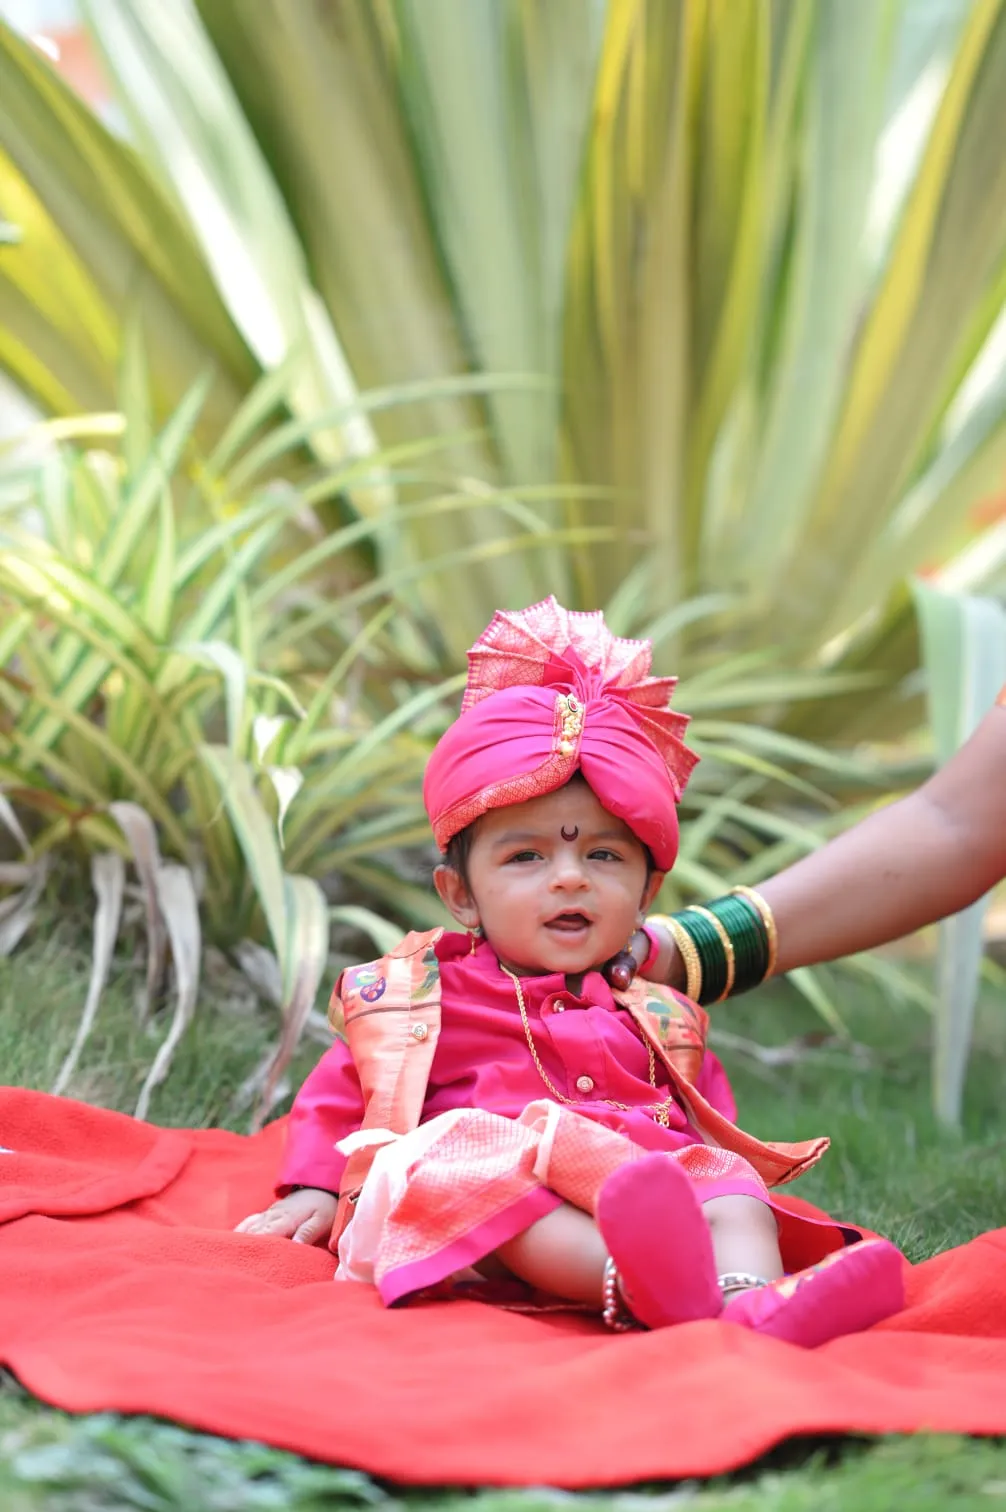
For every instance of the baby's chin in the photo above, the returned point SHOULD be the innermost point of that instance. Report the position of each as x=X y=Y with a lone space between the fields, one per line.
x=567 y=958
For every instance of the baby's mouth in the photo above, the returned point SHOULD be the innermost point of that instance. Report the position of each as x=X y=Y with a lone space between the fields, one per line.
x=568 y=923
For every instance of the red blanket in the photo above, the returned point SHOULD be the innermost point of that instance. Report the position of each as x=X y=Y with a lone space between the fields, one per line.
x=121 y=1287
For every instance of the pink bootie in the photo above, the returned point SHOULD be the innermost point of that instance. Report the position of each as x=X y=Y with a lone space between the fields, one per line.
x=846 y=1292
x=653 y=1226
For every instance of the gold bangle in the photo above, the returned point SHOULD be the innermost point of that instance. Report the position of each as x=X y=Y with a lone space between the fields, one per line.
x=687 y=950
x=725 y=941
x=768 y=919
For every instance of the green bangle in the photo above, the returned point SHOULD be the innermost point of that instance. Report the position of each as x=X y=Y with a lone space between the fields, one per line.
x=708 y=941
x=726 y=947
x=767 y=919
x=752 y=947
x=732 y=941
x=746 y=928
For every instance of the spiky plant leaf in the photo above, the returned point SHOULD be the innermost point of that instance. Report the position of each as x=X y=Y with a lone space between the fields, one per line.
x=964 y=644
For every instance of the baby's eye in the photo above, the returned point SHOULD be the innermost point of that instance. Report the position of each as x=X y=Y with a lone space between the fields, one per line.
x=524 y=855
x=602 y=853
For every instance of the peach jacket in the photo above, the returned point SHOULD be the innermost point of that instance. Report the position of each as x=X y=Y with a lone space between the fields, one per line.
x=389 y=1013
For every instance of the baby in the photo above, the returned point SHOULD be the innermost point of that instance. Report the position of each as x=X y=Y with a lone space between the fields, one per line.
x=495 y=1111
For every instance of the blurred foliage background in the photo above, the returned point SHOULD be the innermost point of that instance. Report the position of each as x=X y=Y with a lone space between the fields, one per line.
x=356 y=321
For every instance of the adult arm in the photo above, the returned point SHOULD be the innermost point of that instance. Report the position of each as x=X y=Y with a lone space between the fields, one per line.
x=915 y=861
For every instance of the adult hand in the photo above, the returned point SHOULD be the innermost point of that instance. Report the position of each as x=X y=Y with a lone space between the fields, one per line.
x=305 y=1216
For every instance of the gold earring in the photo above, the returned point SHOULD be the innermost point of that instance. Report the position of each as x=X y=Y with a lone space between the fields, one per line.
x=475 y=937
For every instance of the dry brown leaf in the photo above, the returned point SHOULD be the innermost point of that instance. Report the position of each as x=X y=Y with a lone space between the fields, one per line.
x=179 y=906
x=108 y=875
x=138 y=828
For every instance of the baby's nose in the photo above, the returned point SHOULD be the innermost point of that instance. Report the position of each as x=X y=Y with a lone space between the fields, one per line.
x=568 y=871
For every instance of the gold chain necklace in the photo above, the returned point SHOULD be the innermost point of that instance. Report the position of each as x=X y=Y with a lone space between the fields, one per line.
x=659 y=1111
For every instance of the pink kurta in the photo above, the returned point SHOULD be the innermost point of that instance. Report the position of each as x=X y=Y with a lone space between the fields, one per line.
x=482 y=1061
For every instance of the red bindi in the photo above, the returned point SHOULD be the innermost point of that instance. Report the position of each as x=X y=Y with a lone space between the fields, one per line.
x=576 y=831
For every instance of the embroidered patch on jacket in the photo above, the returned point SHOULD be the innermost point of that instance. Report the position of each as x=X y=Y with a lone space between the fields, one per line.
x=362 y=976
x=431 y=976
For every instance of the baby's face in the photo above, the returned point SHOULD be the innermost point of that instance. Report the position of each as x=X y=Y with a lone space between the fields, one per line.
x=558 y=883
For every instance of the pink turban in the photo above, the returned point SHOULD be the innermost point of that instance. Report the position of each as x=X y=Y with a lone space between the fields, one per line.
x=551 y=692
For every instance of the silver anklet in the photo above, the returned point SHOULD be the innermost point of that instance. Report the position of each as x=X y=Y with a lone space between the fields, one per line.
x=733 y=1281
x=615 y=1313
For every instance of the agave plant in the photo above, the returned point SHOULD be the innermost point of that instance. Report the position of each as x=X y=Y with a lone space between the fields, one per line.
x=169 y=692
x=671 y=216
x=699 y=288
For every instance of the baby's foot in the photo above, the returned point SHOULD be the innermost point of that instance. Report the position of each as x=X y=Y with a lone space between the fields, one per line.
x=846 y=1292
x=652 y=1224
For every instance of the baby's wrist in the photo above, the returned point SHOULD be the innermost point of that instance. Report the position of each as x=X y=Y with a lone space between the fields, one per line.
x=649 y=966
x=664 y=963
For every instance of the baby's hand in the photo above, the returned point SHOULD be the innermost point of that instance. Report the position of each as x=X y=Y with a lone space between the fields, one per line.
x=306 y=1217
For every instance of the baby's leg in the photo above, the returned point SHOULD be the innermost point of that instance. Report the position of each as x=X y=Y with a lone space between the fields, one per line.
x=850 y=1290
x=673 y=1257
x=745 y=1237
x=650 y=1225
x=562 y=1253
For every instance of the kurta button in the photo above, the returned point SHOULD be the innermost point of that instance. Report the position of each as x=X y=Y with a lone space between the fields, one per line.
x=585 y=1084
x=419 y=1031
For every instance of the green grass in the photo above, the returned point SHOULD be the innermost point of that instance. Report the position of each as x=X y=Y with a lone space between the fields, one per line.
x=890 y=1167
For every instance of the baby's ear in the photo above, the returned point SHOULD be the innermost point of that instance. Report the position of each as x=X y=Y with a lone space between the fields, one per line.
x=453 y=893
x=654 y=883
